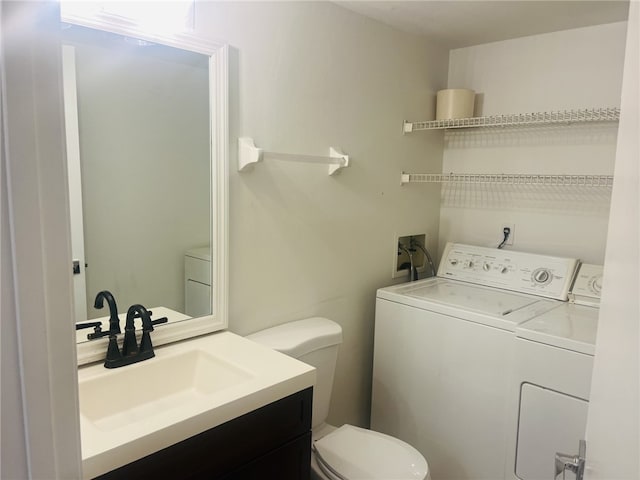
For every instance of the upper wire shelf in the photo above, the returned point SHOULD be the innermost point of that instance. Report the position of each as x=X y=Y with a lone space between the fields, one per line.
x=515 y=119
x=510 y=179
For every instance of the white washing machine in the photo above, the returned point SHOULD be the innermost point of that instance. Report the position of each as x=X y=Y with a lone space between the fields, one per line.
x=553 y=362
x=444 y=351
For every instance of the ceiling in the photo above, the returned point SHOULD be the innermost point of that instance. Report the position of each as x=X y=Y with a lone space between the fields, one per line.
x=458 y=23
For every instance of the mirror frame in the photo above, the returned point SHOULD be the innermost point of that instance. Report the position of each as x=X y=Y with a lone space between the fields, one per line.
x=218 y=53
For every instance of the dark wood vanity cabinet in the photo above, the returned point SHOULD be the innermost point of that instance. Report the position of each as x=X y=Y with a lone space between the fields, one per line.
x=271 y=442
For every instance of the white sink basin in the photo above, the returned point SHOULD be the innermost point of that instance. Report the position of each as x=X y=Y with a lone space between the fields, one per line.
x=129 y=412
x=156 y=387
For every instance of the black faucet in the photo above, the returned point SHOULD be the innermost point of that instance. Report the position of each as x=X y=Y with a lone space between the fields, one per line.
x=131 y=352
x=114 y=321
x=113 y=352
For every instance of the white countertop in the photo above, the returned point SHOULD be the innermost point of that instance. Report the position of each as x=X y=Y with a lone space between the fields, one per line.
x=123 y=435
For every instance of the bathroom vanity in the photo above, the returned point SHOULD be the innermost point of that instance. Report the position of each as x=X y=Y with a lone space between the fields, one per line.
x=271 y=442
x=219 y=406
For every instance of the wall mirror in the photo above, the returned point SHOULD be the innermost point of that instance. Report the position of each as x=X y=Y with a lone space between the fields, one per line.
x=147 y=153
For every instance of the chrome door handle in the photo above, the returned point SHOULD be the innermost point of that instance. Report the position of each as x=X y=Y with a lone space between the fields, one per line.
x=573 y=463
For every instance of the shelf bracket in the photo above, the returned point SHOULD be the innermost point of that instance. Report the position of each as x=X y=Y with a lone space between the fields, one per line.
x=407 y=127
x=249 y=155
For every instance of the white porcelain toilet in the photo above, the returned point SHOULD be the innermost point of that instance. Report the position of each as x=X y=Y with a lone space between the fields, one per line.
x=347 y=452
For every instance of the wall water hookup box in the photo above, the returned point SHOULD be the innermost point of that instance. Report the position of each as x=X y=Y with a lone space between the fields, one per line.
x=401 y=260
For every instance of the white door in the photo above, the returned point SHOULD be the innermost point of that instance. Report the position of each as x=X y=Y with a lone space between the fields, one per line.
x=613 y=422
x=75 y=181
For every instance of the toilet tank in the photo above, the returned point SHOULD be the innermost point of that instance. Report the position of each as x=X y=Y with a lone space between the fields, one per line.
x=315 y=342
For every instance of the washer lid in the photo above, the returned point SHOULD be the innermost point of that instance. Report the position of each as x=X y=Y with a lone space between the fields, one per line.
x=569 y=326
x=358 y=454
x=475 y=298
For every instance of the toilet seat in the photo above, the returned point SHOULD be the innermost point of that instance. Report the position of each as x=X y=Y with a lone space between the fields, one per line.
x=353 y=453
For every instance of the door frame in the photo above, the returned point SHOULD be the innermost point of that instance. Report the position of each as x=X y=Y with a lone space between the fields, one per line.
x=39 y=250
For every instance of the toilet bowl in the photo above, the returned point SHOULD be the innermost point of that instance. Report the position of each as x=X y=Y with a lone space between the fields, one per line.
x=356 y=453
x=347 y=452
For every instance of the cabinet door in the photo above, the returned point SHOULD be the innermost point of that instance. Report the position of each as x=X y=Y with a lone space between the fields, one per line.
x=229 y=447
x=289 y=462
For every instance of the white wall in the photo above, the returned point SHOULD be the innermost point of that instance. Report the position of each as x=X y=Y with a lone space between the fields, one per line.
x=613 y=441
x=144 y=150
x=306 y=76
x=572 y=69
x=12 y=434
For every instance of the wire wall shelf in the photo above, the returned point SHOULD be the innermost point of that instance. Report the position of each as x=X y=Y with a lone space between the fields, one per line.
x=517 y=119
x=605 y=181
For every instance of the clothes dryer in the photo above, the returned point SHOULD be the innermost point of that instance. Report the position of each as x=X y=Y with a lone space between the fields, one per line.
x=553 y=360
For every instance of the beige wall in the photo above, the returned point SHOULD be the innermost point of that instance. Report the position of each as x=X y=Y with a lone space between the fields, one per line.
x=306 y=76
x=13 y=457
x=572 y=69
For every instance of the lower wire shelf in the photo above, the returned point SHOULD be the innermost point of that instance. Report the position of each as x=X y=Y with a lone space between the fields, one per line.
x=605 y=181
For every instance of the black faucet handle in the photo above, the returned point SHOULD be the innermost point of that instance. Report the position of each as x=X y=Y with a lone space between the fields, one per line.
x=97 y=329
x=159 y=321
x=95 y=325
x=100 y=334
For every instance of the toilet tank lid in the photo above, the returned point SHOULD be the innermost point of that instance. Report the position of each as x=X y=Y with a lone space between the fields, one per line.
x=300 y=337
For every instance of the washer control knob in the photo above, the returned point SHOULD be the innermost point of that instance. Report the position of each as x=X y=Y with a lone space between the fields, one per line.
x=504 y=270
x=453 y=262
x=596 y=284
x=470 y=264
x=541 y=276
x=486 y=267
